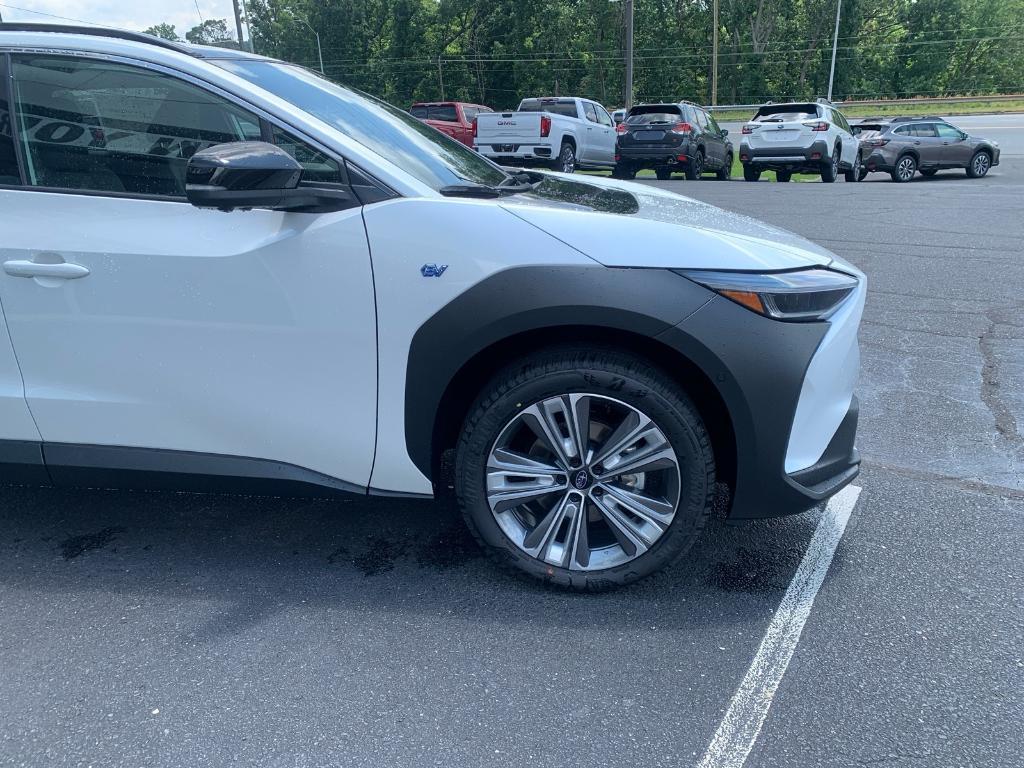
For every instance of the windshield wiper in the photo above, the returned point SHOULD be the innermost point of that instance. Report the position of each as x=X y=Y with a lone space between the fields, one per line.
x=471 y=189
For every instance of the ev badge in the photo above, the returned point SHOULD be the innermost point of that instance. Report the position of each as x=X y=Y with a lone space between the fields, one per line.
x=433 y=270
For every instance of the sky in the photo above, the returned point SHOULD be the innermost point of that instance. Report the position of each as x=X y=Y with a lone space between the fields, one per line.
x=134 y=14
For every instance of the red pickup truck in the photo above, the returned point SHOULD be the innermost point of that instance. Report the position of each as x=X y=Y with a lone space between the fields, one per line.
x=451 y=117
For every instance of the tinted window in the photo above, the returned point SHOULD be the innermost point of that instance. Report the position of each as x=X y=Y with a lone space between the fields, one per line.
x=654 y=113
x=867 y=128
x=469 y=113
x=712 y=123
x=443 y=112
x=925 y=131
x=947 y=131
x=590 y=112
x=778 y=113
x=96 y=125
x=316 y=166
x=565 y=107
x=421 y=151
x=903 y=130
x=702 y=118
x=8 y=160
x=419 y=111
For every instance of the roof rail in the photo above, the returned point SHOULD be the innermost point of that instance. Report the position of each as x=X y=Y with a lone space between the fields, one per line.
x=73 y=29
x=928 y=118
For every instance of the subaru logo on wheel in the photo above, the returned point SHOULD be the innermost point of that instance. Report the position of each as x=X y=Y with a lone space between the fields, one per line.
x=581 y=479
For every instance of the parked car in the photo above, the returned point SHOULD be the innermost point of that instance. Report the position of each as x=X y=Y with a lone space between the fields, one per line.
x=561 y=133
x=222 y=271
x=799 y=138
x=670 y=138
x=454 y=118
x=903 y=146
x=618 y=115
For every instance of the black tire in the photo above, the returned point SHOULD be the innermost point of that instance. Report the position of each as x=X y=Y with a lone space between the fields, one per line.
x=906 y=167
x=606 y=373
x=751 y=174
x=624 y=172
x=863 y=174
x=783 y=176
x=929 y=172
x=695 y=168
x=980 y=164
x=830 y=169
x=566 y=160
x=725 y=172
x=854 y=174
x=663 y=174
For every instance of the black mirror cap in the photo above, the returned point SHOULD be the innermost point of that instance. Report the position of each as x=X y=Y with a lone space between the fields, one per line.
x=241 y=174
x=725 y=132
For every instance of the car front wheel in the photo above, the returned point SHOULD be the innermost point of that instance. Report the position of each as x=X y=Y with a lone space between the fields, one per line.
x=588 y=469
x=980 y=164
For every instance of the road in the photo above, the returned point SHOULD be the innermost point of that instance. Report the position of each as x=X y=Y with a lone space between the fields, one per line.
x=165 y=630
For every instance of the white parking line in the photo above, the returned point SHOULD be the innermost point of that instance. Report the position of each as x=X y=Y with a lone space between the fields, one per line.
x=748 y=709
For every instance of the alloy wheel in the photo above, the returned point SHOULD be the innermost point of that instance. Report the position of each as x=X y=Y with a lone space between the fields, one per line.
x=567 y=159
x=981 y=164
x=905 y=169
x=583 y=481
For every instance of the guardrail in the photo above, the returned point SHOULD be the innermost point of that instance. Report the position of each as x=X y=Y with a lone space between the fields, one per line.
x=876 y=102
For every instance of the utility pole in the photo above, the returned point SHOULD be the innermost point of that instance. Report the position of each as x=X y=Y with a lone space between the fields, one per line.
x=238 y=25
x=440 y=77
x=714 y=58
x=835 y=42
x=627 y=100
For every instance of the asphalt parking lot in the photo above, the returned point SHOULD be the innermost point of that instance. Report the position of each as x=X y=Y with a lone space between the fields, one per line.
x=163 y=629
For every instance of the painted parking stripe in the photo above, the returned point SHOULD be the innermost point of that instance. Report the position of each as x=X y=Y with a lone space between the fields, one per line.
x=748 y=709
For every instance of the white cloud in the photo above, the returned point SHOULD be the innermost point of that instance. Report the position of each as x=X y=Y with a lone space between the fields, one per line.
x=135 y=15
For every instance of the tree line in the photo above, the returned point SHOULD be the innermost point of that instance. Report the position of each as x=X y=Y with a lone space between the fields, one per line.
x=496 y=51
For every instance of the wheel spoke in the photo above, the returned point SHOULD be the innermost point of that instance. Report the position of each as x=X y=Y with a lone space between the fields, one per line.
x=625 y=434
x=632 y=537
x=514 y=479
x=643 y=449
x=656 y=511
x=559 y=435
x=556 y=538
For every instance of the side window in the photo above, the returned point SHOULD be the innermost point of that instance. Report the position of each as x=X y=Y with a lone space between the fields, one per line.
x=903 y=130
x=9 y=173
x=712 y=124
x=317 y=168
x=469 y=113
x=945 y=130
x=843 y=122
x=101 y=126
x=702 y=118
x=604 y=118
x=927 y=130
x=589 y=110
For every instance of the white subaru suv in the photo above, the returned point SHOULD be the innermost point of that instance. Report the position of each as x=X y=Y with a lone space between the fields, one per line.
x=222 y=271
x=800 y=138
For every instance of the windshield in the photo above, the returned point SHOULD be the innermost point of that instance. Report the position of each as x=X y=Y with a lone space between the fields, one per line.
x=415 y=147
x=565 y=107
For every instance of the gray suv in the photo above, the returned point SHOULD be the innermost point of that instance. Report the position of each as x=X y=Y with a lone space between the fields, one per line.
x=902 y=146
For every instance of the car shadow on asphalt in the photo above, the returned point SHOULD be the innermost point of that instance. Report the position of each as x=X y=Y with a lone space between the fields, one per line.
x=242 y=559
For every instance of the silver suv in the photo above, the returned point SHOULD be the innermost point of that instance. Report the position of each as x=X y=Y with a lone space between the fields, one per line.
x=902 y=146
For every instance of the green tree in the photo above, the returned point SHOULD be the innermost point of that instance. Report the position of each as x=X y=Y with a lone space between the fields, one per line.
x=210 y=32
x=166 y=31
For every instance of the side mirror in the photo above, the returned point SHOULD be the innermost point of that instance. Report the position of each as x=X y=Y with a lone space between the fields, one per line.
x=724 y=133
x=254 y=174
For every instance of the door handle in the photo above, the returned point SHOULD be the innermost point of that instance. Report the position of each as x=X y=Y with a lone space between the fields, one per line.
x=64 y=270
x=917 y=142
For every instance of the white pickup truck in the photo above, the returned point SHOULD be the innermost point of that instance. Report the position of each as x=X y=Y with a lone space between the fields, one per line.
x=556 y=132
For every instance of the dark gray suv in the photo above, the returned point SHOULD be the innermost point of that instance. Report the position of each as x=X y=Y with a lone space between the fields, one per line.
x=672 y=138
x=902 y=146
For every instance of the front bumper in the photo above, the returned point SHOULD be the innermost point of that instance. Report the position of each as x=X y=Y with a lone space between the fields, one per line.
x=785 y=158
x=788 y=389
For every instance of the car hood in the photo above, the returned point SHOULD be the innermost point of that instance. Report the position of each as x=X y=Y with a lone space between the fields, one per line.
x=623 y=224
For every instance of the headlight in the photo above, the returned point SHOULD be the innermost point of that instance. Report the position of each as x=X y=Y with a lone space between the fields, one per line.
x=809 y=294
